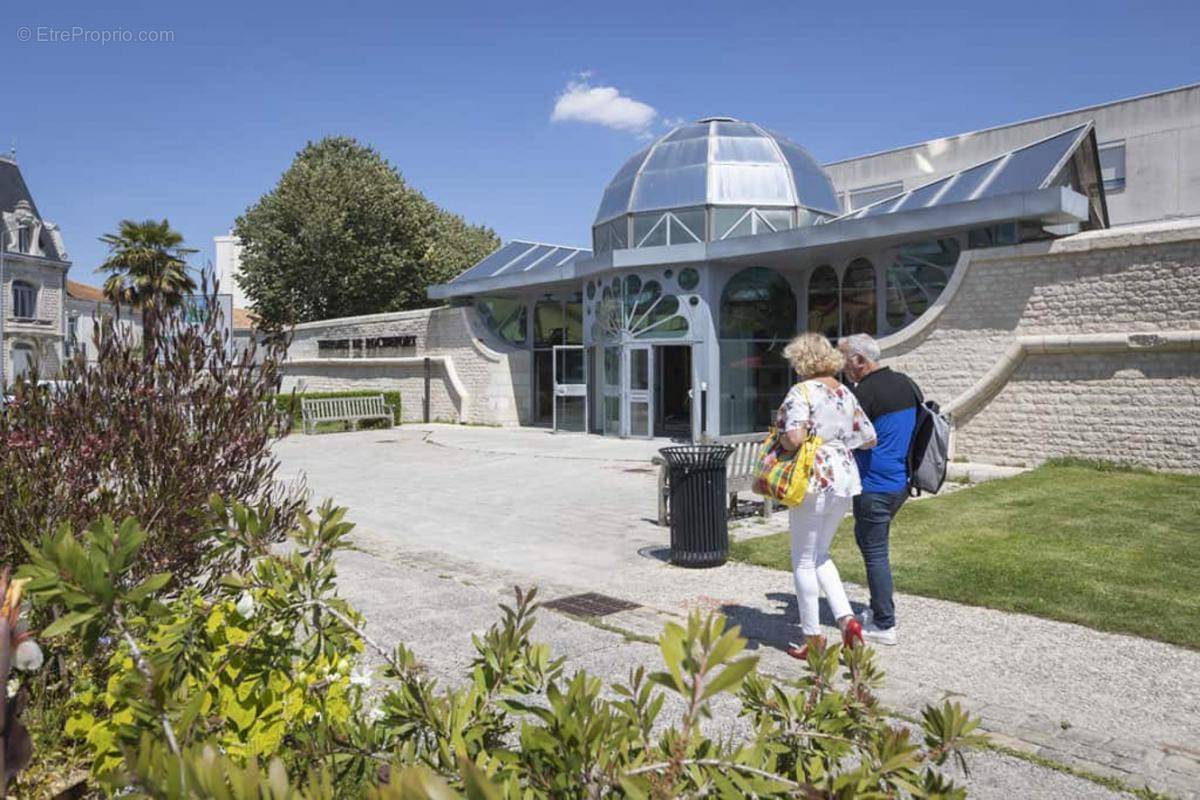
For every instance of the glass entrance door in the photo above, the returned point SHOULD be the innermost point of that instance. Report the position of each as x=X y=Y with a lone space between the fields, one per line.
x=570 y=388
x=639 y=391
x=611 y=393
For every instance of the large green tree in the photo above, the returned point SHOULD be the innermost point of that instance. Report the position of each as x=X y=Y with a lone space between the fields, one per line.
x=343 y=234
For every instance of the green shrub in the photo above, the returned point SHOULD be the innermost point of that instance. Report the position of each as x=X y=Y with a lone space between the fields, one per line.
x=289 y=404
x=257 y=686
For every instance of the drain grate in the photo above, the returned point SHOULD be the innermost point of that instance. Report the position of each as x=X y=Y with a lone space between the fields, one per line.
x=589 y=604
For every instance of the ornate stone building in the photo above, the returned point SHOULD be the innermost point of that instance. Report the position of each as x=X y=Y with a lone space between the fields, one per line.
x=33 y=278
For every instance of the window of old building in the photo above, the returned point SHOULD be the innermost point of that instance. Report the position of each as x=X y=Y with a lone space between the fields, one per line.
x=24 y=299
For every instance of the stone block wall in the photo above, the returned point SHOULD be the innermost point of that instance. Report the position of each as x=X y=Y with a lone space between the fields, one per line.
x=476 y=378
x=1112 y=402
x=1134 y=407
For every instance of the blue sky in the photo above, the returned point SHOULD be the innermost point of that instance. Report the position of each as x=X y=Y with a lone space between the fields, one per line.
x=459 y=96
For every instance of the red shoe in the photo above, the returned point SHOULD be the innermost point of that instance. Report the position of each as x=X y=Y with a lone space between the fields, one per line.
x=801 y=653
x=852 y=633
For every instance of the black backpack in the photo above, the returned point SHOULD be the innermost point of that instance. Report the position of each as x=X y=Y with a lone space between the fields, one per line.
x=929 y=450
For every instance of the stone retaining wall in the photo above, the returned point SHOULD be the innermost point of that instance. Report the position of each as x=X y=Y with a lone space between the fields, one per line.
x=1126 y=402
x=475 y=377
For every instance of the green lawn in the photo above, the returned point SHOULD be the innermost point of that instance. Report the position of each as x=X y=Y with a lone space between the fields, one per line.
x=1110 y=548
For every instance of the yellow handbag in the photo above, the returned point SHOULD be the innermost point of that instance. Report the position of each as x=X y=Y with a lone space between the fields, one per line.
x=780 y=474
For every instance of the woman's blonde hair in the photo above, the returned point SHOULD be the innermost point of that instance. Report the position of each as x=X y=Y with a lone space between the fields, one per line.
x=812 y=356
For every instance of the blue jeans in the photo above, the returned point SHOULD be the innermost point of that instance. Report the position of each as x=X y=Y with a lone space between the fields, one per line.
x=873 y=513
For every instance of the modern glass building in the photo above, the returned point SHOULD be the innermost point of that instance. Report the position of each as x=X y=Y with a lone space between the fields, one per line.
x=720 y=241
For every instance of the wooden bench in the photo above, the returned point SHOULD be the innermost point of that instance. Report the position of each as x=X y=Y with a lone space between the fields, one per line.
x=739 y=473
x=315 y=410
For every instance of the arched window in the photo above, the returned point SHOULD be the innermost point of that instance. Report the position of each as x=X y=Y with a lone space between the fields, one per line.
x=858 y=298
x=758 y=304
x=24 y=299
x=917 y=277
x=23 y=360
x=823 y=306
x=758 y=317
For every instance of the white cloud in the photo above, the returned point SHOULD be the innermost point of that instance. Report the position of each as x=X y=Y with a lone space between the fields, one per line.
x=601 y=105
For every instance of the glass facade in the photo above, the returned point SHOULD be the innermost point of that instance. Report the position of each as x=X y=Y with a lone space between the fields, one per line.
x=558 y=322
x=858 y=298
x=673 y=227
x=758 y=303
x=729 y=223
x=916 y=278
x=824 y=302
x=505 y=317
x=757 y=319
x=754 y=380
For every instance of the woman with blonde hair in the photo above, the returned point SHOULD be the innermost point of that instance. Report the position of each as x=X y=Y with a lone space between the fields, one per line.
x=820 y=404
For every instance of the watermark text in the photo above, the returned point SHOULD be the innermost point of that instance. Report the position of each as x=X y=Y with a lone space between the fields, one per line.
x=77 y=34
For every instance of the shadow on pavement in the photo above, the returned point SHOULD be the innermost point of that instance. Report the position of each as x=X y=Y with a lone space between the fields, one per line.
x=779 y=629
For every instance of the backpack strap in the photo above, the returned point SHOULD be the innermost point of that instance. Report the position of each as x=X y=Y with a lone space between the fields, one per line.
x=916 y=390
x=910 y=458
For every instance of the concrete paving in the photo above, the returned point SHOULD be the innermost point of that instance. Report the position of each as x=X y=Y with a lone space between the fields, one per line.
x=485 y=509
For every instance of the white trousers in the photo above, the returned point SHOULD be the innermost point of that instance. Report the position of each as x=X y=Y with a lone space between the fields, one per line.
x=814 y=523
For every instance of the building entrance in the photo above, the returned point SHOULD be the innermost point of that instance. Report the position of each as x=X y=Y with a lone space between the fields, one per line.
x=543 y=388
x=673 y=391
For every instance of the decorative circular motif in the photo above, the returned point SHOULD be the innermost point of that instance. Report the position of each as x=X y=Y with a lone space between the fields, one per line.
x=689 y=279
x=631 y=308
x=669 y=273
x=693 y=301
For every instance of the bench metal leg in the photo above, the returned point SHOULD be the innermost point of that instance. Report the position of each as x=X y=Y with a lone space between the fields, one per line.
x=768 y=507
x=732 y=503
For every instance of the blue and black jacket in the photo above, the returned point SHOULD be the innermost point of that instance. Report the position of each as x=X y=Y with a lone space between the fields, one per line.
x=890 y=400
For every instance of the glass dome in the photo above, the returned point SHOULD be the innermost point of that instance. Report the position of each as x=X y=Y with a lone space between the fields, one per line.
x=712 y=179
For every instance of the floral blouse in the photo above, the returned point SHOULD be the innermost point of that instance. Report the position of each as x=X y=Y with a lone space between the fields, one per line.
x=839 y=420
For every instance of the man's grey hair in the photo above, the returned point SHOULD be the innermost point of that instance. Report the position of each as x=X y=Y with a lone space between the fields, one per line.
x=863 y=344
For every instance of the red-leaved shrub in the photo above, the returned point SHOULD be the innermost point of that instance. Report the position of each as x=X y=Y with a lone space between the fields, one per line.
x=152 y=438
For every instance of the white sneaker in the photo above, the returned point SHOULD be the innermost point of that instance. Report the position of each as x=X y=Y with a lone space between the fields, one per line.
x=873 y=633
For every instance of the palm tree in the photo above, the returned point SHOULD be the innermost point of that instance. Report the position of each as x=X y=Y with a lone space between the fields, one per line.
x=148 y=271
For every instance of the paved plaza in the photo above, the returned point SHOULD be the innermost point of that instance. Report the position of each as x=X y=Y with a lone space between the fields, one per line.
x=450 y=518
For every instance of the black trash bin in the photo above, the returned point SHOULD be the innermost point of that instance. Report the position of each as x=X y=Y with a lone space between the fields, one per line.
x=699 y=529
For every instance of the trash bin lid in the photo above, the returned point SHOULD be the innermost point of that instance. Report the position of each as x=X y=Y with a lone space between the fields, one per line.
x=696 y=455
